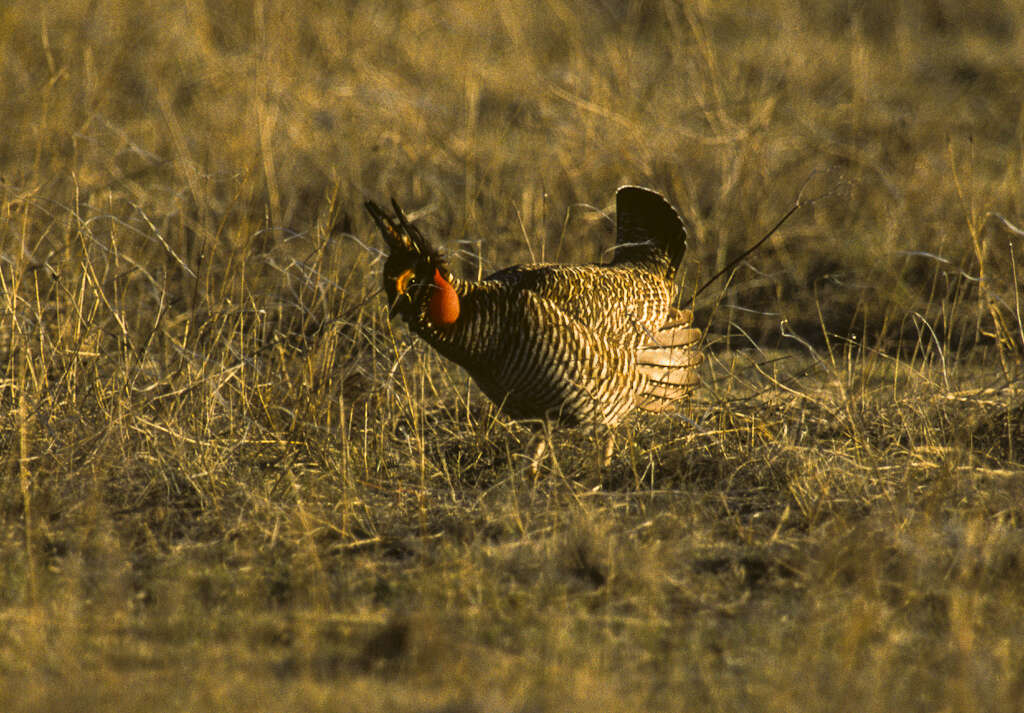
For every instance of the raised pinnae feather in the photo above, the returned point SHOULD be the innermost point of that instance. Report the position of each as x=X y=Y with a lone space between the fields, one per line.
x=400 y=234
x=411 y=231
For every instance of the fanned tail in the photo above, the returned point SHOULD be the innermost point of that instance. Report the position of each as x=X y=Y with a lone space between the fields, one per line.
x=648 y=231
x=668 y=362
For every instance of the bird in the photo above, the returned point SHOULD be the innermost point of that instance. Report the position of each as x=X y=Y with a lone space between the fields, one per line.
x=570 y=344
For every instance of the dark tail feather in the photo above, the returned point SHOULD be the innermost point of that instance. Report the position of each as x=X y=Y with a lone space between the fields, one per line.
x=648 y=229
x=668 y=363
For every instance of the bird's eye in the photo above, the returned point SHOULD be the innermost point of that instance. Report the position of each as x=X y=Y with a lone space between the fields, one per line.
x=402 y=281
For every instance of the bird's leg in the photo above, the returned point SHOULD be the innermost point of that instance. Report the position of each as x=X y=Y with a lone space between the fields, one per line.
x=538 y=452
x=541 y=447
x=609 y=448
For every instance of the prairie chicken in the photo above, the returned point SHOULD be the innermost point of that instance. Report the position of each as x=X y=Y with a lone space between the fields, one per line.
x=580 y=344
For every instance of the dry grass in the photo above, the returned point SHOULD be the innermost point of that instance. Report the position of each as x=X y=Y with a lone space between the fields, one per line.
x=228 y=485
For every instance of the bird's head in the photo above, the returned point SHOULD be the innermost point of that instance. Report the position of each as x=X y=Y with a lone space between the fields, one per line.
x=417 y=280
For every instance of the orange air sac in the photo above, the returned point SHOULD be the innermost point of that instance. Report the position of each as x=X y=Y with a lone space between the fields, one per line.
x=444 y=303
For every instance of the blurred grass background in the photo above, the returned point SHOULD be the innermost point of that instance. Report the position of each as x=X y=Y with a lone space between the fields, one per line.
x=229 y=485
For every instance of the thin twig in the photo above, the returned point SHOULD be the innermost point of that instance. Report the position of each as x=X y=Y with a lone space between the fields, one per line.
x=797 y=204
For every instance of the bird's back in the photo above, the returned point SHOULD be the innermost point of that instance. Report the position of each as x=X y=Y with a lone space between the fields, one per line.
x=618 y=301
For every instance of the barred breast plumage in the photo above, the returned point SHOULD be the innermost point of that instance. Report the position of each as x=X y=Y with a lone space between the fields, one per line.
x=574 y=343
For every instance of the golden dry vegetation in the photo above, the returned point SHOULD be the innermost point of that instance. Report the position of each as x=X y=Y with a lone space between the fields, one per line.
x=229 y=484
